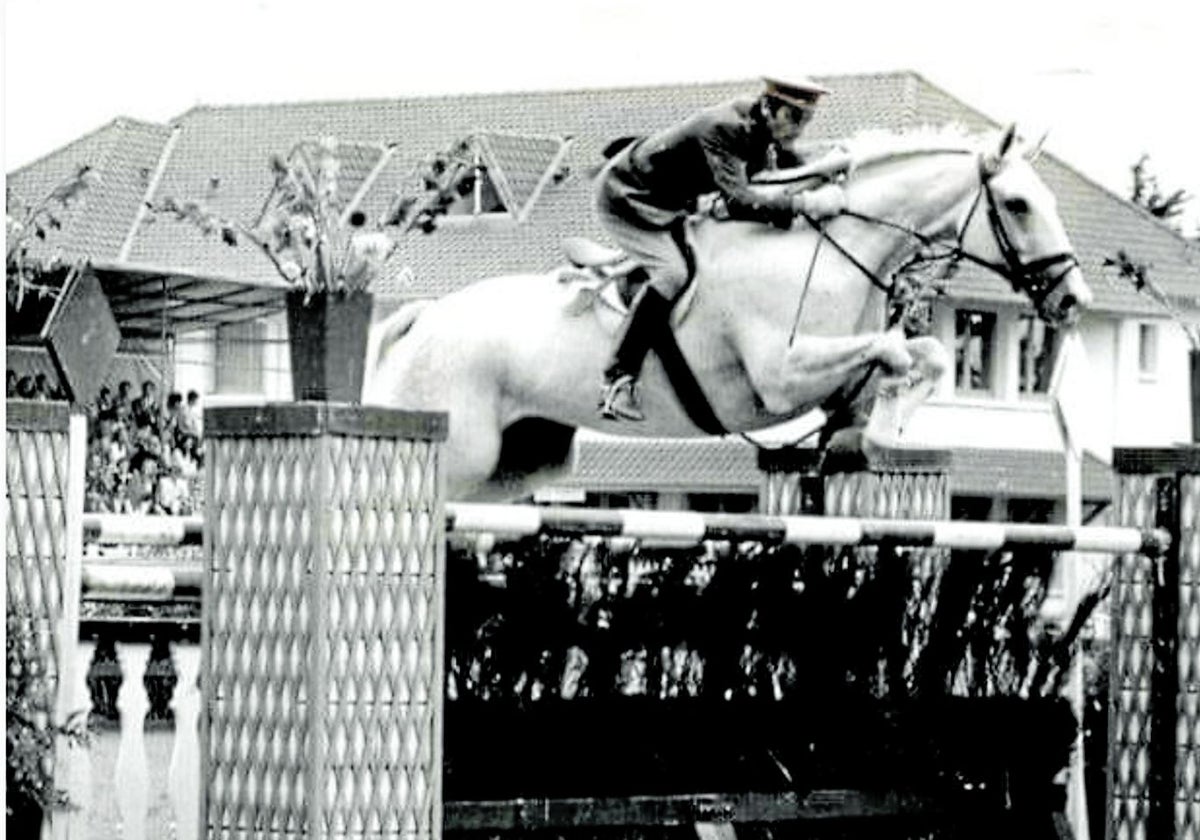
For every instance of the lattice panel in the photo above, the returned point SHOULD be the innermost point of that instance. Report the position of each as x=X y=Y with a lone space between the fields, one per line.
x=1187 y=767
x=324 y=637
x=36 y=530
x=1132 y=667
x=900 y=494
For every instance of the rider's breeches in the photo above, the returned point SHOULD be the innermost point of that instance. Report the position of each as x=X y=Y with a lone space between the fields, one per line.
x=655 y=250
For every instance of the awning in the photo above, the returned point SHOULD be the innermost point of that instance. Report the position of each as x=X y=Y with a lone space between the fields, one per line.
x=148 y=301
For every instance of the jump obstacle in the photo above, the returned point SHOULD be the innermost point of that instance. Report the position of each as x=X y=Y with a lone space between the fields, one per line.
x=299 y=494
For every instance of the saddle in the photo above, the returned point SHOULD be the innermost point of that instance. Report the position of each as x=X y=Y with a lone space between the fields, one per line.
x=606 y=280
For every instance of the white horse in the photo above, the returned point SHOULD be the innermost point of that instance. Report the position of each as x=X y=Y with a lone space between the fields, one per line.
x=776 y=322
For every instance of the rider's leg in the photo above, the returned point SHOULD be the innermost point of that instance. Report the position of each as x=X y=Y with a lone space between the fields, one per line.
x=647 y=317
x=657 y=253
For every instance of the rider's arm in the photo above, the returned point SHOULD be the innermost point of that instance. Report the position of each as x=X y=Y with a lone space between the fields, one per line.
x=728 y=165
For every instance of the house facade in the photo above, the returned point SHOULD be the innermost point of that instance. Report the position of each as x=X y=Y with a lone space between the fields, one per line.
x=208 y=316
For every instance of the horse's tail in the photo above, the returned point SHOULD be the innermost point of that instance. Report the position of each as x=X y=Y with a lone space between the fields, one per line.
x=393 y=328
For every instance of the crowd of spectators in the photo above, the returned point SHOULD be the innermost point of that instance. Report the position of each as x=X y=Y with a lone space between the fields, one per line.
x=144 y=455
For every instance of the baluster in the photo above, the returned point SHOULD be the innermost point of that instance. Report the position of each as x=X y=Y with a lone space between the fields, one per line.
x=78 y=781
x=184 y=773
x=132 y=774
x=102 y=683
x=159 y=731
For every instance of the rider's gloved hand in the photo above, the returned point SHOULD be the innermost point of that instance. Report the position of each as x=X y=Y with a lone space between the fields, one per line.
x=820 y=203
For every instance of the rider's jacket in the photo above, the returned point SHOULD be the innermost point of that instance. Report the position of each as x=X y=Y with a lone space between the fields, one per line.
x=656 y=179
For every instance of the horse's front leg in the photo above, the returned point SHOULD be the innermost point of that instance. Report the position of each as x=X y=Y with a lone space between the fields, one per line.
x=897 y=397
x=813 y=367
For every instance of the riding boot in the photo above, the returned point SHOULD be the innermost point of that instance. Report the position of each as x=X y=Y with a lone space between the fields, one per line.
x=646 y=318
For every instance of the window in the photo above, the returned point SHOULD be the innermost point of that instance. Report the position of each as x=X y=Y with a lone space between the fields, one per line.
x=482 y=196
x=1148 y=350
x=974 y=508
x=239 y=364
x=632 y=501
x=722 y=502
x=974 y=349
x=1037 y=350
x=1031 y=511
x=510 y=172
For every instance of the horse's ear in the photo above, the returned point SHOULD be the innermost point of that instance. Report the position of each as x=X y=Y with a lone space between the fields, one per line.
x=1032 y=153
x=1006 y=141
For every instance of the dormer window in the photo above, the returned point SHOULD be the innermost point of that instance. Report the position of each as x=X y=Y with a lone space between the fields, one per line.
x=509 y=173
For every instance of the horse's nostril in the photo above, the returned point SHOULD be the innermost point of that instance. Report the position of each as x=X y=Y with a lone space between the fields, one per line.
x=1067 y=303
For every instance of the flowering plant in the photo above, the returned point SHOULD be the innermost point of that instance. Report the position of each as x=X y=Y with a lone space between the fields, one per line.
x=26 y=225
x=31 y=730
x=313 y=236
x=1138 y=274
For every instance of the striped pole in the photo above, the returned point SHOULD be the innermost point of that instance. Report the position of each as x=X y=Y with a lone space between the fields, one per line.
x=692 y=528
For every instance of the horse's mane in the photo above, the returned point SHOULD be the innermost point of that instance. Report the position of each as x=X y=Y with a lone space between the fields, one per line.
x=874 y=146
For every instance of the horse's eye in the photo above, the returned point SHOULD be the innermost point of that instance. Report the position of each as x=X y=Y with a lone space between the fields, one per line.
x=1017 y=206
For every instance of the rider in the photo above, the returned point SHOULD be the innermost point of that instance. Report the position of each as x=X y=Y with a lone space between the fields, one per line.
x=646 y=191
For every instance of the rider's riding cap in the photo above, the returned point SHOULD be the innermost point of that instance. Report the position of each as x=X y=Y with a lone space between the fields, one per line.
x=802 y=93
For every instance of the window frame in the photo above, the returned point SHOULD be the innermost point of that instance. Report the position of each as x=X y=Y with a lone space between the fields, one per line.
x=992 y=353
x=1148 y=330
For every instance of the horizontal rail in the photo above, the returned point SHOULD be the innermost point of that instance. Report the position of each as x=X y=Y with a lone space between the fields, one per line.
x=692 y=528
x=142 y=529
x=139 y=582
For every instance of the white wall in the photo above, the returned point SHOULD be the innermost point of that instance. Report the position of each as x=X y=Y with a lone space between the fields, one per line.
x=1152 y=409
x=1132 y=409
x=195 y=359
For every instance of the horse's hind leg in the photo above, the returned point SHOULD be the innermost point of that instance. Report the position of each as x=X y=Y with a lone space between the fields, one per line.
x=533 y=451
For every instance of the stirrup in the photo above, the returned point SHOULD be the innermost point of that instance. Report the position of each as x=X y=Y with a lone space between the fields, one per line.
x=611 y=407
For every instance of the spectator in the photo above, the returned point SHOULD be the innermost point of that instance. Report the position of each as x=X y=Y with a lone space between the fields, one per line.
x=191 y=419
x=25 y=388
x=123 y=402
x=171 y=418
x=104 y=401
x=146 y=410
x=142 y=487
x=11 y=383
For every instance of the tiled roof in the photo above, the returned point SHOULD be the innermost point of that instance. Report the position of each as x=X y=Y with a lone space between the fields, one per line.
x=125 y=154
x=233 y=144
x=636 y=464
x=730 y=465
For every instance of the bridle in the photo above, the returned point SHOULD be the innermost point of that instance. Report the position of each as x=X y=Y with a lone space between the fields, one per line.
x=1036 y=278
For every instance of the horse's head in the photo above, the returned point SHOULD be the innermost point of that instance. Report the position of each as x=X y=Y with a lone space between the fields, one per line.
x=1013 y=227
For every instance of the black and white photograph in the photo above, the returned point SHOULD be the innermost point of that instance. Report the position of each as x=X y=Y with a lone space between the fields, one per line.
x=602 y=420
